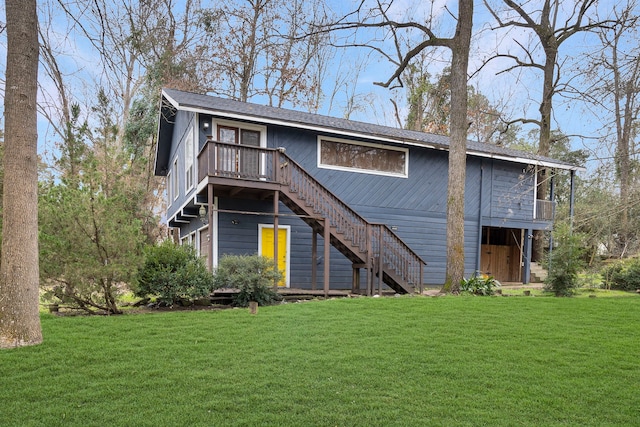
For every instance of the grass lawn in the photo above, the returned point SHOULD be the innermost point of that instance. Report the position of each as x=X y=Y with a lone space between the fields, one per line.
x=406 y=361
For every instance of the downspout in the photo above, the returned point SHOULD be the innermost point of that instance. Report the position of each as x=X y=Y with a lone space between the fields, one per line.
x=479 y=253
x=573 y=175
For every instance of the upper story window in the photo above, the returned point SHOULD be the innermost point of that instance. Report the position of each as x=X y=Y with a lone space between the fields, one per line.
x=239 y=136
x=173 y=182
x=170 y=187
x=362 y=157
x=188 y=161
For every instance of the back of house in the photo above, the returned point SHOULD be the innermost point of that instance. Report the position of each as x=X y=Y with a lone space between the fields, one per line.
x=376 y=195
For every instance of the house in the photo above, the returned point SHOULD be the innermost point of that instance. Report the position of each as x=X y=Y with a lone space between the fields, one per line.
x=236 y=171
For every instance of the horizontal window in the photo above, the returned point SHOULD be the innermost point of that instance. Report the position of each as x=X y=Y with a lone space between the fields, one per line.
x=366 y=158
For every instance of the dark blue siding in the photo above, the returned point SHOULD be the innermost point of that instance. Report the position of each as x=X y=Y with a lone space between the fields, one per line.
x=512 y=195
x=183 y=121
x=414 y=206
x=242 y=239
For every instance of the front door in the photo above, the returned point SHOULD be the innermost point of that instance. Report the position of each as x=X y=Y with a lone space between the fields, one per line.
x=266 y=248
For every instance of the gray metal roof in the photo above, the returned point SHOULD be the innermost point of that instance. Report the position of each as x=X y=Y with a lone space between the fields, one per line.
x=265 y=114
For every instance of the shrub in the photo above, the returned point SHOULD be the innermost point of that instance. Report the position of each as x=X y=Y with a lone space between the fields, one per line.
x=172 y=273
x=566 y=262
x=479 y=284
x=622 y=275
x=252 y=275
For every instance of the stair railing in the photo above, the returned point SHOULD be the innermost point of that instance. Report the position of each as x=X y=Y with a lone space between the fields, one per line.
x=274 y=165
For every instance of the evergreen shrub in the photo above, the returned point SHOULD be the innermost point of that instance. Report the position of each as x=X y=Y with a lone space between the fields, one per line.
x=566 y=262
x=173 y=273
x=622 y=275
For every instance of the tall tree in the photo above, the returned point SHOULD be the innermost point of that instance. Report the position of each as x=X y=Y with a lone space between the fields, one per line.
x=552 y=24
x=19 y=272
x=381 y=18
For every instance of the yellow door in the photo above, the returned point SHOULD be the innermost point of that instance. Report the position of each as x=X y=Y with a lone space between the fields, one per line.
x=267 y=250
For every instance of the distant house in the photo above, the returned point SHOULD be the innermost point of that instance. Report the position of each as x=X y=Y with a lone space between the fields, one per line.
x=236 y=171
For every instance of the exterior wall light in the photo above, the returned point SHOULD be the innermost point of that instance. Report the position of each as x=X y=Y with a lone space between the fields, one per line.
x=202 y=213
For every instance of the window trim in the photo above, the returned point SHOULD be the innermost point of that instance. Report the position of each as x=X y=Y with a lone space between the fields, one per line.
x=241 y=125
x=361 y=170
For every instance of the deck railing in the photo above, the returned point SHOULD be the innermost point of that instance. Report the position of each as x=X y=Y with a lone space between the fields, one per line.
x=545 y=210
x=274 y=165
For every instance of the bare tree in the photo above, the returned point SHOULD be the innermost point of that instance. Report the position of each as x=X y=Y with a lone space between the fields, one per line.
x=255 y=50
x=551 y=31
x=19 y=272
x=380 y=18
x=552 y=24
x=614 y=77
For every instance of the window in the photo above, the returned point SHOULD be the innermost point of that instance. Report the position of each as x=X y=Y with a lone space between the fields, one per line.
x=188 y=161
x=173 y=183
x=169 y=187
x=189 y=239
x=361 y=157
x=245 y=161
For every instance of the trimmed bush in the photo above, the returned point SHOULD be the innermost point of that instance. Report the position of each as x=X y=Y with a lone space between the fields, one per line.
x=252 y=275
x=622 y=275
x=173 y=273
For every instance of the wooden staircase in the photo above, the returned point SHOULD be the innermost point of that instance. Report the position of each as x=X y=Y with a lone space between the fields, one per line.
x=538 y=273
x=368 y=245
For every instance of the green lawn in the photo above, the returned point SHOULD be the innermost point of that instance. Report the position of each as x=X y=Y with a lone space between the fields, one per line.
x=369 y=362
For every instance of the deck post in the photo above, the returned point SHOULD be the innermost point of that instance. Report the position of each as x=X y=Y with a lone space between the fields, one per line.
x=314 y=259
x=210 y=224
x=275 y=235
x=355 y=281
x=369 y=261
x=380 y=262
x=327 y=248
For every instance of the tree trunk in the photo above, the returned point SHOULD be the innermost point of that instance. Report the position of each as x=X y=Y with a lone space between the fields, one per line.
x=19 y=272
x=458 y=148
x=544 y=141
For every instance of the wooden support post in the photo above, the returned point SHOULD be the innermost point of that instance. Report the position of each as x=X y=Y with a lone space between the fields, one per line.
x=314 y=259
x=210 y=224
x=355 y=281
x=369 y=261
x=275 y=234
x=327 y=247
x=253 y=307
x=380 y=262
